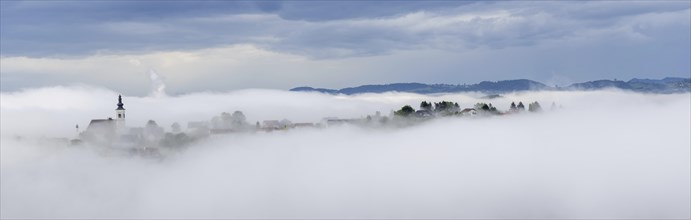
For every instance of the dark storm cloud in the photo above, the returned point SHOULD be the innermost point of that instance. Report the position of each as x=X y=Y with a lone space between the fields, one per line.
x=80 y=28
x=312 y=28
x=77 y=27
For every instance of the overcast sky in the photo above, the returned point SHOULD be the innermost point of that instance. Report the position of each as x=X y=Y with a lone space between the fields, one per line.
x=220 y=45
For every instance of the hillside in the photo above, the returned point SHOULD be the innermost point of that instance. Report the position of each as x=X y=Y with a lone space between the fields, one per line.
x=665 y=85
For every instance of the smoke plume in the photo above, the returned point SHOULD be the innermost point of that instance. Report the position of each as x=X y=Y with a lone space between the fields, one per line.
x=158 y=88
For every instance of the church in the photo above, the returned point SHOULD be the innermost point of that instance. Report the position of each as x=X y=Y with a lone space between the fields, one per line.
x=113 y=132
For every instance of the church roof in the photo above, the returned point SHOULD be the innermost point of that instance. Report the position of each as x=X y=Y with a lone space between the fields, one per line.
x=101 y=121
x=101 y=124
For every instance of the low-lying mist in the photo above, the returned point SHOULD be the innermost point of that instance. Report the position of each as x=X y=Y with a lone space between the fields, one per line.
x=605 y=154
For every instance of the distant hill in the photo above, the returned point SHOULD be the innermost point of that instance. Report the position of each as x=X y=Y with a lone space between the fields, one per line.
x=310 y=89
x=666 y=85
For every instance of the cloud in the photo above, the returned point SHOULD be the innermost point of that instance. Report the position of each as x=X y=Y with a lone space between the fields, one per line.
x=318 y=30
x=250 y=66
x=241 y=66
x=581 y=40
x=610 y=154
x=217 y=47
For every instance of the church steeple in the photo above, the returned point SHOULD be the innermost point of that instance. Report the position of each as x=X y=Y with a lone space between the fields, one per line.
x=120 y=103
x=120 y=115
x=120 y=111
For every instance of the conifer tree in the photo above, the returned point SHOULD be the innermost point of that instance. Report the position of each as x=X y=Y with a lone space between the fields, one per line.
x=520 y=106
x=534 y=107
x=426 y=105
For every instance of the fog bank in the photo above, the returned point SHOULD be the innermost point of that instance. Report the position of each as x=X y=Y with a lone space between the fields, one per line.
x=605 y=154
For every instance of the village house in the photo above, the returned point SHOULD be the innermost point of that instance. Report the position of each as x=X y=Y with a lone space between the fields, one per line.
x=469 y=112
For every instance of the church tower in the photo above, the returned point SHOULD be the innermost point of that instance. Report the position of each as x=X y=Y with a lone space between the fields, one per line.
x=120 y=115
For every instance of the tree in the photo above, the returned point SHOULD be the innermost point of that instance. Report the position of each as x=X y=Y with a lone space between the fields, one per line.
x=534 y=107
x=216 y=122
x=226 y=120
x=446 y=106
x=520 y=106
x=384 y=120
x=152 y=132
x=151 y=124
x=176 y=140
x=285 y=123
x=492 y=108
x=405 y=111
x=513 y=107
x=175 y=127
x=238 y=119
x=426 y=105
x=480 y=106
x=225 y=116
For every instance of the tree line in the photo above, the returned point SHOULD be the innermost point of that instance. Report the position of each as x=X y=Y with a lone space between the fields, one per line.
x=448 y=108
